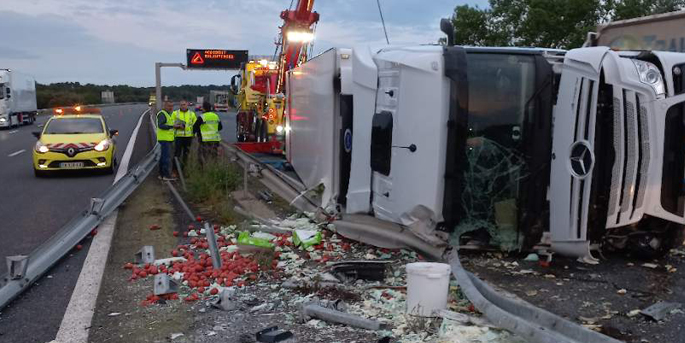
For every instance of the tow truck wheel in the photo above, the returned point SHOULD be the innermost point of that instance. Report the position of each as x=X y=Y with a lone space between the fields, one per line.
x=263 y=134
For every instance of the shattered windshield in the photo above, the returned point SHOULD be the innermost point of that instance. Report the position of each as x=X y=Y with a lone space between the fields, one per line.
x=499 y=89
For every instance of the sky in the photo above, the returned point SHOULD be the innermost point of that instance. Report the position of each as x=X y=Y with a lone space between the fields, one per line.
x=118 y=41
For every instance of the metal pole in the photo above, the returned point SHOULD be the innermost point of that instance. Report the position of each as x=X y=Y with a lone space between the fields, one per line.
x=180 y=174
x=245 y=179
x=213 y=249
x=158 y=81
x=158 y=87
x=180 y=201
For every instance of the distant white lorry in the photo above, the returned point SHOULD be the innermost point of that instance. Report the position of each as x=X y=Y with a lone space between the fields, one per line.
x=219 y=100
x=17 y=99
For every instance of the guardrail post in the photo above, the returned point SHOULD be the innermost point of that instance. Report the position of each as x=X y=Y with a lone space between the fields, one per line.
x=146 y=254
x=96 y=205
x=17 y=266
x=213 y=249
x=165 y=285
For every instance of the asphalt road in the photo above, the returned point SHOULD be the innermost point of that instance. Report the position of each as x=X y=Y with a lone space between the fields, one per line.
x=32 y=209
x=229 y=126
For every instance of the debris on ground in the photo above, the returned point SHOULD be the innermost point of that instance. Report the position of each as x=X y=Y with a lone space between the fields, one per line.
x=660 y=310
x=308 y=276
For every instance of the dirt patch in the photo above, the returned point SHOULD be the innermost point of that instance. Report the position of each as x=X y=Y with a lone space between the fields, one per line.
x=119 y=317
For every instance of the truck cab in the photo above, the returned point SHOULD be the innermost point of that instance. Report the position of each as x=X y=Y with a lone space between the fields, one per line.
x=569 y=151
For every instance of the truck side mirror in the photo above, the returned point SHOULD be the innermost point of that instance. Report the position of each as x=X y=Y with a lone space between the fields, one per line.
x=8 y=93
x=36 y=134
x=447 y=27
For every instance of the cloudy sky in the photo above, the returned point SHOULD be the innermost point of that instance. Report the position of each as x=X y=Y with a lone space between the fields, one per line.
x=118 y=41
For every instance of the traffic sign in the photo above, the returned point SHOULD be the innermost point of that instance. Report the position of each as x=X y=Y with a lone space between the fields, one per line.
x=215 y=58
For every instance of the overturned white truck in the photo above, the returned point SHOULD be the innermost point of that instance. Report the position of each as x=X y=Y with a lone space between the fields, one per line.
x=570 y=150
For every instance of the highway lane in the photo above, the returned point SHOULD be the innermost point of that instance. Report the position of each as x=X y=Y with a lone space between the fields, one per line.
x=32 y=209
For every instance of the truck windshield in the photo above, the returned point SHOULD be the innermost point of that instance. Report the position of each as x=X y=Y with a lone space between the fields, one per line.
x=2 y=90
x=74 y=126
x=499 y=87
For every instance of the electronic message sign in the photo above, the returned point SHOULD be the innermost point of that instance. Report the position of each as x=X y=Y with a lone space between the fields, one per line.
x=215 y=58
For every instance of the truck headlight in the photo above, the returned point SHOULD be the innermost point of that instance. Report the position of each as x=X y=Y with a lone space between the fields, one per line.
x=2 y=120
x=41 y=148
x=650 y=75
x=103 y=145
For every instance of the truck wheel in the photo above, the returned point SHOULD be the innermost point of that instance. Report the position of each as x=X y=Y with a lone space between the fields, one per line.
x=655 y=244
x=263 y=133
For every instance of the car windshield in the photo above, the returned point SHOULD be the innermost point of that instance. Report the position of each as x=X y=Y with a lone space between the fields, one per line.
x=74 y=126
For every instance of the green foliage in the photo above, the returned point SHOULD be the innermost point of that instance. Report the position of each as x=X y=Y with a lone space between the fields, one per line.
x=546 y=23
x=74 y=93
x=212 y=181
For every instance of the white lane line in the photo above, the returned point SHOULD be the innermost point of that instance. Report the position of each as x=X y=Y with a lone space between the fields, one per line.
x=16 y=153
x=15 y=131
x=77 y=319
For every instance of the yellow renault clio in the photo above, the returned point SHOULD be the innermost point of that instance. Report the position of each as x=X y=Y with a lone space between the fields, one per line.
x=74 y=138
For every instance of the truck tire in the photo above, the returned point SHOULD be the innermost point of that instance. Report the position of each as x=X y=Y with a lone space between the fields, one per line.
x=661 y=236
x=263 y=133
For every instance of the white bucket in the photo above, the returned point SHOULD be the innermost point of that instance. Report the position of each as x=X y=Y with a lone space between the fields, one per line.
x=427 y=288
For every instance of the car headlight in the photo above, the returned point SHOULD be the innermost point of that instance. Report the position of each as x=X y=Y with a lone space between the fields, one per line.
x=650 y=75
x=41 y=148
x=103 y=145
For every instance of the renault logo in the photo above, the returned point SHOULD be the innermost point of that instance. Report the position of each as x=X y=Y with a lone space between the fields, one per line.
x=581 y=159
x=71 y=152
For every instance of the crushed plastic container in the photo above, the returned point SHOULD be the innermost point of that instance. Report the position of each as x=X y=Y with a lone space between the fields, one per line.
x=427 y=287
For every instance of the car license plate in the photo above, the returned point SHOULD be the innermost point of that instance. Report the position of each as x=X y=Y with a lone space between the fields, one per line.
x=71 y=165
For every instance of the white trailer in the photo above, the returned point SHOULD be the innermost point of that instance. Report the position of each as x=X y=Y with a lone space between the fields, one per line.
x=502 y=145
x=17 y=98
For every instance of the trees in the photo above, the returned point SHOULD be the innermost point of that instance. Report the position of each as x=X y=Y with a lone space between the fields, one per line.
x=546 y=23
x=73 y=93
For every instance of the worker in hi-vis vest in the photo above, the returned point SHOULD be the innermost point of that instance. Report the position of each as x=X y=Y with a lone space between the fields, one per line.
x=207 y=129
x=165 y=138
x=185 y=119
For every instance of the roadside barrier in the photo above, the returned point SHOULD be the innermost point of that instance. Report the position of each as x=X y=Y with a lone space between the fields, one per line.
x=70 y=235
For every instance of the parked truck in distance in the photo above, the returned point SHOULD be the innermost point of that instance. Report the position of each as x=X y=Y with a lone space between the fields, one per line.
x=219 y=100
x=520 y=148
x=17 y=99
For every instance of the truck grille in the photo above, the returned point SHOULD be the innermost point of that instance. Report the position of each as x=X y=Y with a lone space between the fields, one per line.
x=584 y=131
x=632 y=156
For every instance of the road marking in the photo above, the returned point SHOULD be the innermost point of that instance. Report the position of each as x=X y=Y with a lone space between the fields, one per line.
x=16 y=153
x=14 y=131
x=75 y=326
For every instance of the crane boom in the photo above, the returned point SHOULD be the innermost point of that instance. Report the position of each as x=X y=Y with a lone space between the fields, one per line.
x=296 y=33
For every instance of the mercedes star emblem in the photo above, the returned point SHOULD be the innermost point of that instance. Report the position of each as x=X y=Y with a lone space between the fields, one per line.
x=582 y=158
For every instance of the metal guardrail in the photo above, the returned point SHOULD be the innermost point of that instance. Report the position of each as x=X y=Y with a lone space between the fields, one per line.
x=50 y=252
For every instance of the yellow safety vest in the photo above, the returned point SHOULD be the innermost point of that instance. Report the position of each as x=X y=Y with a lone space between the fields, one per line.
x=210 y=127
x=164 y=135
x=188 y=118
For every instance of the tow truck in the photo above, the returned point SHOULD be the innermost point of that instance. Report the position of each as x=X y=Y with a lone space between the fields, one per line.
x=259 y=87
